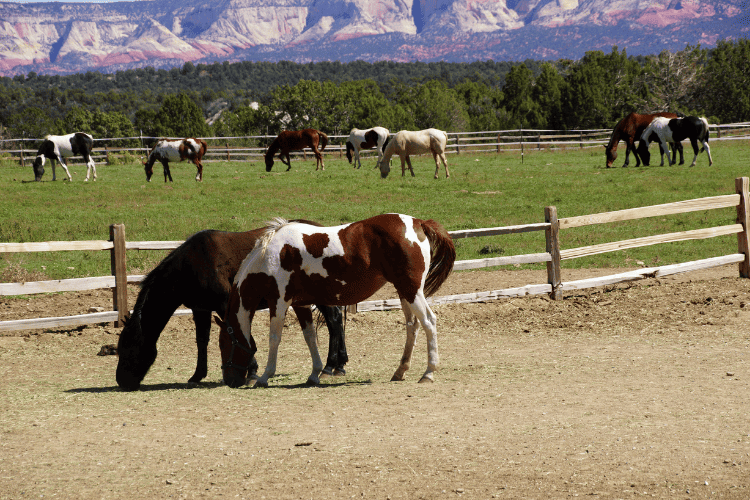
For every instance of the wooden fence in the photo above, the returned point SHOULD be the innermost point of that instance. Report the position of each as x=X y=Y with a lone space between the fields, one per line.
x=552 y=256
x=252 y=148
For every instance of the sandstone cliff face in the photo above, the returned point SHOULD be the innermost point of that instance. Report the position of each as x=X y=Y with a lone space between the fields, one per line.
x=69 y=37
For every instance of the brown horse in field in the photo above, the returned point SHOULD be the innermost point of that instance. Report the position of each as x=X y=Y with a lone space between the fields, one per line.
x=296 y=140
x=629 y=130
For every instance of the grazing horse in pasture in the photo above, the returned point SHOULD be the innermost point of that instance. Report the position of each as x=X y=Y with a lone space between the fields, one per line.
x=199 y=274
x=376 y=137
x=673 y=131
x=179 y=150
x=629 y=130
x=59 y=147
x=296 y=140
x=406 y=143
x=298 y=264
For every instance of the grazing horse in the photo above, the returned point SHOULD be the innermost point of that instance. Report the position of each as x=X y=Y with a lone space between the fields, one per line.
x=629 y=130
x=298 y=264
x=198 y=274
x=406 y=143
x=180 y=150
x=295 y=140
x=673 y=131
x=376 y=137
x=59 y=147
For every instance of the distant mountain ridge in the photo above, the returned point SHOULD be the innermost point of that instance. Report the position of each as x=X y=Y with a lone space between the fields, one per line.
x=62 y=38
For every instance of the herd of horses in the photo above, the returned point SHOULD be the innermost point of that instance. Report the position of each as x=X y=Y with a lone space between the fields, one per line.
x=305 y=266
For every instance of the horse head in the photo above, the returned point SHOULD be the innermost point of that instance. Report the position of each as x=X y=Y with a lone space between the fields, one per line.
x=149 y=168
x=38 y=168
x=237 y=355
x=611 y=156
x=644 y=153
x=134 y=358
x=269 y=162
x=385 y=167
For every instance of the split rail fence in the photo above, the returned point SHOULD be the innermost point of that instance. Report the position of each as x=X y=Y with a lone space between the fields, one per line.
x=252 y=148
x=552 y=256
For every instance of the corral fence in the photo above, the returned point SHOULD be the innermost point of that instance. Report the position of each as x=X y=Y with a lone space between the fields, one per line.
x=252 y=148
x=118 y=246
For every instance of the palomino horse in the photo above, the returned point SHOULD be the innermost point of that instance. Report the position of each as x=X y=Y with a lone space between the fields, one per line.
x=406 y=143
x=673 y=131
x=376 y=137
x=59 y=147
x=629 y=130
x=295 y=140
x=198 y=274
x=298 y=264
x=182 y=149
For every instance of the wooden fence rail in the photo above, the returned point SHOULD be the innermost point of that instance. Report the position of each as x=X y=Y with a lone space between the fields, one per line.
x=552 y=256
x=252 y=148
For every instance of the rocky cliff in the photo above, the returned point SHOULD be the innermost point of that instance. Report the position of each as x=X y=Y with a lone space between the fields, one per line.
x=74 y=37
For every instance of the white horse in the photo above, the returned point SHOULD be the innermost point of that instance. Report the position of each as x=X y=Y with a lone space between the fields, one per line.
x=673 y=131
x=406 y=143
x=376 y=137
x=59 y=147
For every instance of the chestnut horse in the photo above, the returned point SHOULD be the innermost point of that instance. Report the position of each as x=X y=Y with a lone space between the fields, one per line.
x=198 y=274
x=165 y=151
x=297 y=264
x=295 y=140
x=629 y=130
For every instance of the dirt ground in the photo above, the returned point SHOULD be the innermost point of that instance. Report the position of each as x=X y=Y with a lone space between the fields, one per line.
x=623 y=391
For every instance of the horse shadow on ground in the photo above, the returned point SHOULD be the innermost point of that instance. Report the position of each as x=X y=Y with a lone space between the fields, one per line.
x=213 y=385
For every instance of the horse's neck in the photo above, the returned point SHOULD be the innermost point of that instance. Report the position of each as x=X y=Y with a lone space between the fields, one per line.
x=273 y=147
x=615 y=139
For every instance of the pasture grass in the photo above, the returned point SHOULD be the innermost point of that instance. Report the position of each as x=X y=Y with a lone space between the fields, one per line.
x=485 y=190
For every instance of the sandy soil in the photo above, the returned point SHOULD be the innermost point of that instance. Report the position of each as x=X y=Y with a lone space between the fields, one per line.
x=623 y=391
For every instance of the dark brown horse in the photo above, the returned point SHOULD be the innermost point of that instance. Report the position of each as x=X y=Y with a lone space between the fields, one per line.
x=629 y=130
x=296 y=140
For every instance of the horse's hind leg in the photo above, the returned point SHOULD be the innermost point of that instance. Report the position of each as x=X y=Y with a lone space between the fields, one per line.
x=304 y=316
x=421 y=310
x=199 y=175
x=441 y=156
x=202 y=321
x=412 y=325
x=408 y=163
x=708 y=152
x=63 y=165
x=90 y=165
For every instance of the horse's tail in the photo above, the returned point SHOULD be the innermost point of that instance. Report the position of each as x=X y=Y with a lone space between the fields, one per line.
x=705 y=132
x=323 y=140
x=442 y=256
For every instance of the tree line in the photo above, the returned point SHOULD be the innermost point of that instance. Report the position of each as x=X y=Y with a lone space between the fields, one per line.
x=217 y=99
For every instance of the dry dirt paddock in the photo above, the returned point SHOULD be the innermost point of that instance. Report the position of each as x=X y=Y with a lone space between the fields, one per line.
x=632 y=390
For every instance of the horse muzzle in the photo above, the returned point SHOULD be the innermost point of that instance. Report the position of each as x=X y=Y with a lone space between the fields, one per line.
x=233 y=379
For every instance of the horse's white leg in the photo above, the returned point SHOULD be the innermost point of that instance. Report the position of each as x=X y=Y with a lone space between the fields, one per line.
x=90 y=165
x=445 y=163
x=64 y=166
x=52 y=162
x=357 y=161
x=304 y=315
x=412 y=325
x=429 y=322
x=437 y=164
x=708 y=152
x=665 y=146
x=274 y=339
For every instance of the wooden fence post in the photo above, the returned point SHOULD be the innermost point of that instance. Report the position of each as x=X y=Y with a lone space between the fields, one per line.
x=521 y=131
x=119 y=270
x=498 y=143
x=22 y=161
x=228 y=159
x=458 y=149
x=106 y=154
x=743 y=217
x=553 y=248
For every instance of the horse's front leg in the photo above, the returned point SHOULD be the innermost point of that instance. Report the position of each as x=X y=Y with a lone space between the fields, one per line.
x=305 y=318
x=677 y=146
x=202 y=321
x=64 y=166
x=167 y=173
x=274 y=339
x=408 y=162
x=199 y=175
x=90 y=165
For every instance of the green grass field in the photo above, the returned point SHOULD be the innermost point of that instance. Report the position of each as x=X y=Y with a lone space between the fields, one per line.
x=485 y=190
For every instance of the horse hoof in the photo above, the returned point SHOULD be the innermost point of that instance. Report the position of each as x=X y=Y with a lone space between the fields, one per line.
x=312 y=382
x=425 y=379
x=397 y=377
x=261 y=383
x=339 y=372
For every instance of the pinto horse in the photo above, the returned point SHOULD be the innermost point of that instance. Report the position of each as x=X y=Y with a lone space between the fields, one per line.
x=376 y=137
x=180 y=150
x=298 y=264
x=198 y=274
x=59 y=147
x=673 y=131
x=295 y=140
x=629 y=130
x=406 y=143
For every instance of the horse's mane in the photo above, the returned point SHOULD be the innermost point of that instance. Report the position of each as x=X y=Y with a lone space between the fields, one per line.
x=273 y=147
x=272 y=227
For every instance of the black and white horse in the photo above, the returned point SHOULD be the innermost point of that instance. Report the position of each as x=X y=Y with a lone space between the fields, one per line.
x=59 y=147
x=376 y=137
x=673 y=131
